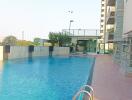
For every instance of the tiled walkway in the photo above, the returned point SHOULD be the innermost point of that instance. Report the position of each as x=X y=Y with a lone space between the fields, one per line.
x=108 y=81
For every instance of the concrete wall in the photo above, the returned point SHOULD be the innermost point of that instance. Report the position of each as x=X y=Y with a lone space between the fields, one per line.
x=22 y=52
x=18 y=52
x=127 y=16
x=1 y=53
x=40 y=51
x=61 y=51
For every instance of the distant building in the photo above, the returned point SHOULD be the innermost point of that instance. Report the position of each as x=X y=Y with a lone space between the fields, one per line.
x=45 y=42
x=42 y=41
x=84 y=39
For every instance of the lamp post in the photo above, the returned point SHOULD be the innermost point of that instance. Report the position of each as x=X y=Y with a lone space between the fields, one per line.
x=70 y=12
x=70 y=25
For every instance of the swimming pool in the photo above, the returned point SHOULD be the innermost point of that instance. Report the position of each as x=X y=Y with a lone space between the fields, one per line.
x=43 y=78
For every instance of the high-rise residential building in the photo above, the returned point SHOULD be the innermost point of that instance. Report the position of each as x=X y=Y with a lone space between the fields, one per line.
x=102 y=21
x=102 y=26
x=110 y=24
x=107 y=24
x=116 y=31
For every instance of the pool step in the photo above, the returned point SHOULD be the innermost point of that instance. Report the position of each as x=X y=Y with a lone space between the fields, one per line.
x=86 y=89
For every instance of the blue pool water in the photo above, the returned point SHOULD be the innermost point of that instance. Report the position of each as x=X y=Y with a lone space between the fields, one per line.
x=43 y=78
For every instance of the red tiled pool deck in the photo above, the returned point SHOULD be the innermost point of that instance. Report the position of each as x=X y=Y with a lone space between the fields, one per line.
x=108 y=81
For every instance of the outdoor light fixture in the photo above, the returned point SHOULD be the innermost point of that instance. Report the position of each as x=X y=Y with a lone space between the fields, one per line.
x=70 y=25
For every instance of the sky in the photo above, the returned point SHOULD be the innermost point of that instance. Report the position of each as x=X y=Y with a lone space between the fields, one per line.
x=36 y=18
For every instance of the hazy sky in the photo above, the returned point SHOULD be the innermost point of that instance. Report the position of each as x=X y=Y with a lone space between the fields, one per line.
x=39 y=17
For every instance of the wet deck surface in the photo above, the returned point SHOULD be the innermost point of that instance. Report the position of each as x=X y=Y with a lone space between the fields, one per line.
x=108 y=81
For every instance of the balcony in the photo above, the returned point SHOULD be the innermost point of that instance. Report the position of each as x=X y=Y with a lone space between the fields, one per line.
x=111 y=30
x=111 y=15
x=110 y=35
x=110 y=38
x=111 y=3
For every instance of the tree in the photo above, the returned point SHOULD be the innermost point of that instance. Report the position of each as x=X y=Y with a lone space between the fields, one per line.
x=37 y=41
x=63 y=39
x=10 y=40
x=53 y=38
x=60 y=38
x=24 y=43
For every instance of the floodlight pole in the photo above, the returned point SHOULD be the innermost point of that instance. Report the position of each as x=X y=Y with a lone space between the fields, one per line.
x=70 y=25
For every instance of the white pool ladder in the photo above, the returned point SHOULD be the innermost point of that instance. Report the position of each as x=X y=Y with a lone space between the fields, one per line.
x=90 y=93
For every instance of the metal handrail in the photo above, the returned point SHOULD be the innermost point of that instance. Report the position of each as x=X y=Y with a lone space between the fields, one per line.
x=91 y=90
x=82 y=91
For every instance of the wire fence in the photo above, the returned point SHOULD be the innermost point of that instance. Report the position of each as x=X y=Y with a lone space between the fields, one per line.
x=71 y=32
x=81 y=32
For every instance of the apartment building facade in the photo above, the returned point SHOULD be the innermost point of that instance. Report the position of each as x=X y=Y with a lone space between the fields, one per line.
x=118 y=32
x=110 y=23
x=107 y=24
x=113 y=25
x=102 y=26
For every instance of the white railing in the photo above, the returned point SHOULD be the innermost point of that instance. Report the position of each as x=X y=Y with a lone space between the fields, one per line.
x=89 y=92
x=82 y=91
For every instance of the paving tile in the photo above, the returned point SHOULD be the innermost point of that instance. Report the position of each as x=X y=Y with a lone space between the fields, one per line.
x=108 y=81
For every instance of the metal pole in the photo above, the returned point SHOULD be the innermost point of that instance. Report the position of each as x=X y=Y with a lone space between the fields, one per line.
x=84 y=32
x=70 y=11
x=70 y=25
x=78 y=34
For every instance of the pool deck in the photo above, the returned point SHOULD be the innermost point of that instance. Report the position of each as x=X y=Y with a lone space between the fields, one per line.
x=108 y=81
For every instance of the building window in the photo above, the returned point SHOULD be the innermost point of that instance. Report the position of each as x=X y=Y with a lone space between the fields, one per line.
x=102 y=20
x=101 y=31
x=102 y=15
x=102 y=1
x=102 y=10
x=101 y=25
x=102 y=5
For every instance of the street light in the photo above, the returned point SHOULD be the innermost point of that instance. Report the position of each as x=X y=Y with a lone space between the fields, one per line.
x=70 y=12
x=70 y=25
